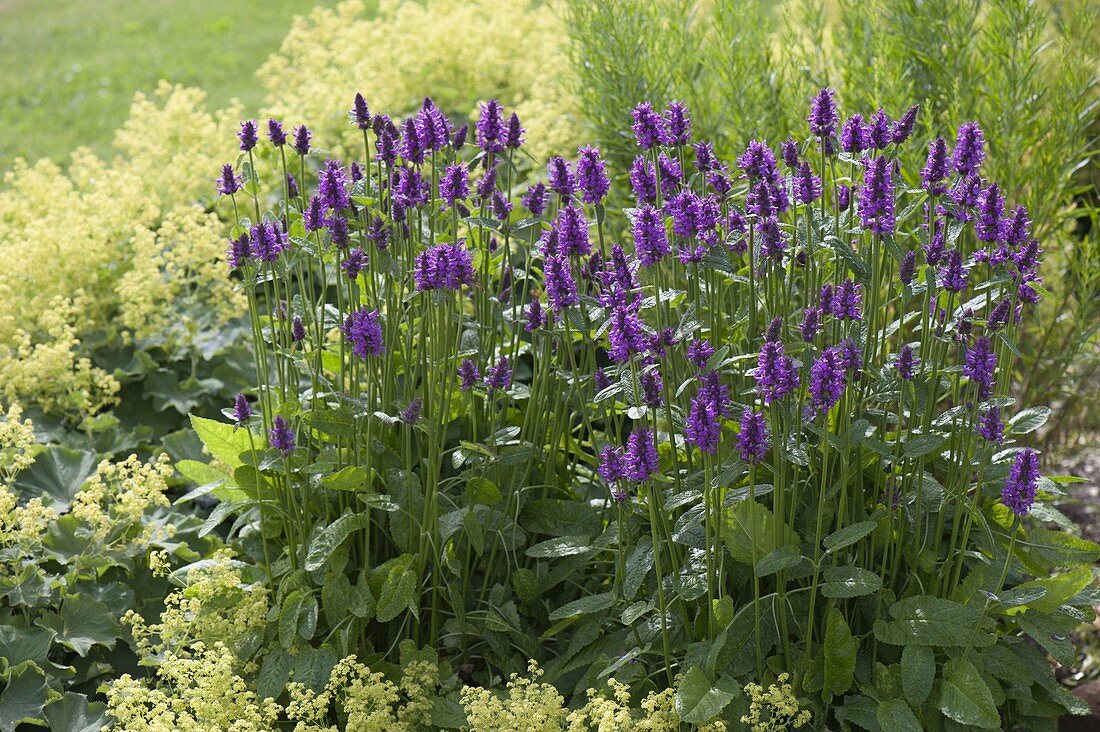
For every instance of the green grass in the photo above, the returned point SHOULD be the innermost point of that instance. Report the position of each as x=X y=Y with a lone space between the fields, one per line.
x=72 y=66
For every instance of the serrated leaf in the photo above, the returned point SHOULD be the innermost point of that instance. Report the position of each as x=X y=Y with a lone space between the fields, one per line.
x=922 y=445
x=59 y=473
x=840 y=654
x=584 y=606
x=842 y=582
x=399 y=592
x=73 y=713
x=483 y=491
x=779 y=559
x=25 y=644
x=698 y=702
x=893 y=715
x=329 y=538
x=24 y=697
x=225 y=442
x=918 y=671
x=1028 y=420
x=82 y=624
x=848 y=535
x=1052 y=549
x=563 y=546
x=638 y=565
x=932 y=621
x=965 y=697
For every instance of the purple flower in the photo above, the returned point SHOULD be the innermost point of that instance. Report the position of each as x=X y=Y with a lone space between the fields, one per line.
x=851 y=356
x=242 y=410
x=672 y=175
x=625 y=332
x=843 y=197
x=291 y=186
x=699 y=352
x=826 y=380
x=906 y=363
x=715 y=392
x=1016 y=230
x=561 y=290
x=823 y=116
x=302 y=136
x=592 y=175
x=678 y=123
x=230 y=182
x=641 y=458
x=338 y=231
x=332 y=186
x=876 y=197
x=903 y=128
x=297 y=330
x=411 y=413
x=775 y=372
x=460 y=137
x=268 y=241
x=953 y=274
x=998 y=316
x=490 y=128
x=513 y=139
x=848 y=304
x=990 y=427
x=969 y=149
x=692 y=216
x=499 y=375
x=936 y=167
x=789 y=152
x=313 y=218
x=981 y=366
x=601 y=380
x=617 y=275
x=240 y=249
x=412 y=147
x=363 y=329
x=774 y=331
x=534 y=316
x=275 y=133
x=500 y=206
x=410 y=189
x=854 y=137
x=652 y=386
x=807 y=186
x=560 y=177
x=572 y=230
x=650 y=238
x=991 y=207
x=360 y=112
x=444 y=267
x=649 y=128
x=488 y=182
x=468 y=374
x=612 y=465
x=355 y=263
x=643 y=181
x=879 y=130
x=703 y=429
x=454 y=186
x=758 y=162
x=772 y=240
x=811 y=323
x=705 y=161
x=753 y=441
x=281 y=437
x=1018 y=492
x=536 y=198
x=248 y=135
x=907 y=268
x=386 y=138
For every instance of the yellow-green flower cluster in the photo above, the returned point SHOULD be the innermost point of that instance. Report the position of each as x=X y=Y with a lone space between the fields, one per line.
x=529 y=706
x=16 y=443
x=411 y=49
x=774 y=709
x=115 y=500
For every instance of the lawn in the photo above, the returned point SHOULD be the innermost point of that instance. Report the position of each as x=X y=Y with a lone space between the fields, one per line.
x=73 y=65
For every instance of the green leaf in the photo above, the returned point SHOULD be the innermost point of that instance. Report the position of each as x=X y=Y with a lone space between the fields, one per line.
x=1028 y=420
x=740 y=532
x=840 y=654
x=932 y=621
x=848 y=535
x=82 y=623
x=288 y=617
x=313 y=666
x=25 y=644
x=965 y=698
x=225 y=442
x=400 y=592
x=849 y=582
x=24 y=697
x=73 y=713
x=922 y=445
x=638 y=565
x=349 y=478
x=274 y=674
x=1049 y=549
x=1052 y=632
x=59 y=473
x=1057 y=590
x=332 y=536
x=779 y=559
x=584 y=606
x=557 y=517
x=698 y=702
x=918 y=671
x=483 y=491
x=475 y=532
x=893 y=715
x=565 y=546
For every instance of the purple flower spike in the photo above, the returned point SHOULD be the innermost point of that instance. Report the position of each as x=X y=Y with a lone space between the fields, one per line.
x=444 y=267
x=876 y=197
x=490 y=129
x=230 y=182
x=560 y=177
x=906 y=363
x=903 y=128
x=699 y=352
x=499 y=375
x=678 y=123
x=854 y=137
x=302 y=136
x=879 y=130
x=281 y=436
x=248 y=135
x=572 y=229
x=811 y=323
x=703 y=429
x=953 y=273
x=363 y=329
x=612 y=465
x=275 y=133
x=242 y=410
x=468 y=373
x=360 y=113
x=355 y=262
x=969 y=149
x=649 y=128
x=754 y=440
x=789 y=153
x=775 y=372
x=643 y=181
x=936 y=167
x=981 y=366
x=641 y=458
x=908 y=267
x=1018 y=492
x=990 y=427
x=454 y=186
x=536 y=198
x=823 y=116
x=561 y=289
x=297 y=330
x=807 y=186
x=991 y=207
x=513 y=138
x=826 y=380
x=411 y=413
x=332 y=186
x=592 y=175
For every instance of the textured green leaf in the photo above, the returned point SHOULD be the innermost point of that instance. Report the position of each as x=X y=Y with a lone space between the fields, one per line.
x=922 y=445
x=25 y=644
x=965 y=698
x=779 y=559
x=313 y=666
x=840 y=654
x=288 y=617
x=638 y=565
x=932 y=621
x=740 y=532
x=59 y=473
x=400 y=592
x=697 y=701
x=849 y=582
x=332 y=536
x=73 y=713
x=483 y=491
x=82 y=623
x=1050 y=549
x=918 y=671
x=24 y=697
x=584 y=606
x=1028 y=420
x=564 y=546
x=225 y=442
x=848 y=535
x=894 y=716
x=348 y=478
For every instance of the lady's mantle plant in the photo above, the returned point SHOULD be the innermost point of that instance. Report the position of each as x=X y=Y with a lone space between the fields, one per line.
x=756 y=424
